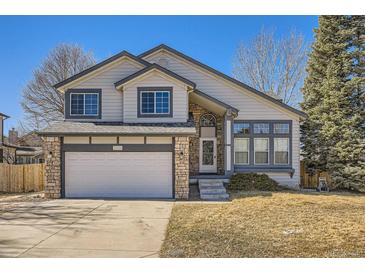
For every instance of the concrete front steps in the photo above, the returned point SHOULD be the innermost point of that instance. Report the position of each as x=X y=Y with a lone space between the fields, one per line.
x=212 y=190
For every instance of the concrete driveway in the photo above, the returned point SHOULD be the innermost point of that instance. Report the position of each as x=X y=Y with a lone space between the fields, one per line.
x=84 y=228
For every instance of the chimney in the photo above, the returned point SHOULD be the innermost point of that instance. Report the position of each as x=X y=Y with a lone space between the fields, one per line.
x=13 y=136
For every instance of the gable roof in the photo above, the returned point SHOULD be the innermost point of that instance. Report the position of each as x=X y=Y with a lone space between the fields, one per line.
x=216 y=101
x=222 y=75
x=158 y=68
x=99 y=65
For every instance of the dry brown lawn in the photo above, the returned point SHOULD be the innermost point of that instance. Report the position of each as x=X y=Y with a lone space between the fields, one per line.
x=265 y=224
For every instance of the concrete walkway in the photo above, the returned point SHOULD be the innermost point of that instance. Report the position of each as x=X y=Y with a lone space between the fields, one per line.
x=84 y=228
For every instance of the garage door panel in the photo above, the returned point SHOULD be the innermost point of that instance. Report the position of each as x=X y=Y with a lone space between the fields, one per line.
x=118 y=174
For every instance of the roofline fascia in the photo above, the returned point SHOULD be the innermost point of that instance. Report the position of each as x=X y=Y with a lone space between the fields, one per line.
x=149 y=68
x=99 y=65
x=224 y=76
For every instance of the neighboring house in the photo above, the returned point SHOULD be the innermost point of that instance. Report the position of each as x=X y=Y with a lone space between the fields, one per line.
x=7 y=151
x=30 y=149
x=24 y=150
x=145 y=126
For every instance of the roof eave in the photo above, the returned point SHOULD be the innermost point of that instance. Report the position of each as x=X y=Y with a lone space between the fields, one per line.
x=100 y=65
x=208 y=97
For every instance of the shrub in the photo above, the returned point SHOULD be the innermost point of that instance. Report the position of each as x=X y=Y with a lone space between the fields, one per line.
x=252 y=181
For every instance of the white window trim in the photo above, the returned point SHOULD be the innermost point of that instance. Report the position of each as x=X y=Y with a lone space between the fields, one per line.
x=288 y=146
x=83 y=94
x=248 y=153
x=268 y=152
x=154 y=102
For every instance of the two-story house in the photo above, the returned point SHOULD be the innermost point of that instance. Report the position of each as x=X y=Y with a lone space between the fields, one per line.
x=146 y=126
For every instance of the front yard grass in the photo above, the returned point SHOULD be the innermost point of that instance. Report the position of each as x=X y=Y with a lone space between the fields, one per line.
x=269 y=224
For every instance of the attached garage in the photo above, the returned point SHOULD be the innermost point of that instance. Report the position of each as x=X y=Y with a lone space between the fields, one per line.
x=118 y=174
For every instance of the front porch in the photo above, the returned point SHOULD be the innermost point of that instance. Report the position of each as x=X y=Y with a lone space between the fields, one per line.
x=210 y=148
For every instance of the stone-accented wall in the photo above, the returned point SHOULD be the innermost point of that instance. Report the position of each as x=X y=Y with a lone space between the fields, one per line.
x=197 y=112
x=52 y=152
x=181 y=167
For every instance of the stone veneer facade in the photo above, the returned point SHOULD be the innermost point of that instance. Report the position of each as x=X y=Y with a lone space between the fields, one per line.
x=197 y=111
x=181 y=167
x=52 y=152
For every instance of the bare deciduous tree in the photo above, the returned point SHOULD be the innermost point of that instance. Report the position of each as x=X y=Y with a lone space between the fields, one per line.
x=273 y=65
x=41 y=102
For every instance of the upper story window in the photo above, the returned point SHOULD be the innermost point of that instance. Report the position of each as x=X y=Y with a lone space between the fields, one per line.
x=155 y=102
x=84 y=103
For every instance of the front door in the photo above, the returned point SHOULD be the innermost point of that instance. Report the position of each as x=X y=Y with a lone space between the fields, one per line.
x=208 y=155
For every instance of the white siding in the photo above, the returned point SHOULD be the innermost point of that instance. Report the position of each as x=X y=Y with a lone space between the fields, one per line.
x=251 y=107
x=154 y=79
x=112 y=99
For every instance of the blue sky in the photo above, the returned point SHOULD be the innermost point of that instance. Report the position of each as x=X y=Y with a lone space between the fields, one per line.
x=26 y=40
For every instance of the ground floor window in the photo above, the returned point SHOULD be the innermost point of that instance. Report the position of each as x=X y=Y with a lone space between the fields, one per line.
x=241 y=151
x=281 y=151
x=262 y=143
x=261 y=148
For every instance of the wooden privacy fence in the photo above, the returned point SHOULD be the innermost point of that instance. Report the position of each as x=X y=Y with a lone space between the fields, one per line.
x=311 y=181
x=21 y=178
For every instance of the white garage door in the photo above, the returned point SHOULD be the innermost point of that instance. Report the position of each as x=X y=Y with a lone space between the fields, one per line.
x=118 y=174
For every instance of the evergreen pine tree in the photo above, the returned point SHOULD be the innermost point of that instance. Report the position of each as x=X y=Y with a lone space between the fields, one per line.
x=315 y=146
x=346 y=161
x=333 y=134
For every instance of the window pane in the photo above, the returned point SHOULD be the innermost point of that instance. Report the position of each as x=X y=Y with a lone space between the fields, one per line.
x=241 y=148
x=261 y=128
x=241 y=128
x=91 y=104
x=77 y=104
x=281 y=149
x=261 y=158
x=162 y=102
x=261 y=147
x=281 y=128
x=147 y=102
